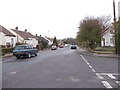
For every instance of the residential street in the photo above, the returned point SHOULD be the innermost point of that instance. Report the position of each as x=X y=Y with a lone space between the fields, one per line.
x=61 y=68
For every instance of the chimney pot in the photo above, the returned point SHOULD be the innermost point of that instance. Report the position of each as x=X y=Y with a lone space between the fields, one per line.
x=25 y=30
x=16 y=28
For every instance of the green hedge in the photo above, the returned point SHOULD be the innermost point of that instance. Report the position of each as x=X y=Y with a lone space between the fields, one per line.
x=6 y=50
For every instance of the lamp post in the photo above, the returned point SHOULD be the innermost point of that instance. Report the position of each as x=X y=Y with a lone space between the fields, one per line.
x=114 y=13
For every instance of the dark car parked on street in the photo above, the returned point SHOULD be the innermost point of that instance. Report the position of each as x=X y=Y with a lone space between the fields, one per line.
x=24 y=51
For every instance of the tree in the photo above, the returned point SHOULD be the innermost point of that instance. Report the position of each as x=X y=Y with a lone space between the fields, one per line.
x=69 y=40
x=118 y=37
x=42 y=44
x=89 y=32
x=105 y=24
x=55 y=41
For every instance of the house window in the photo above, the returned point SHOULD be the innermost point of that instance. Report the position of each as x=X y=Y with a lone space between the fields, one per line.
x=111 y=40
x=12 y=42
x=111 y=31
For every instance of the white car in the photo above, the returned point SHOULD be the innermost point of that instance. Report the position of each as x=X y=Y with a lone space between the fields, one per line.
x=54 y=47
x=73 y=46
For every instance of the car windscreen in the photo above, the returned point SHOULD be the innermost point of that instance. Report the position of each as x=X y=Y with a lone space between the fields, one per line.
x=20 y=47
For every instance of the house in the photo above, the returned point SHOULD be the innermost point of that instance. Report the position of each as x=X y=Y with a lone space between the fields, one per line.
x=24 y=37
x=40 y=38
x=6 y=37
x=108 y=39
x=50 y=40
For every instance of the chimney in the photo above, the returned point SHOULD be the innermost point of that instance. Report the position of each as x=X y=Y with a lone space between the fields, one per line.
x=40 y=35
x=36 y=35
x=16 y=28
x=25 y=30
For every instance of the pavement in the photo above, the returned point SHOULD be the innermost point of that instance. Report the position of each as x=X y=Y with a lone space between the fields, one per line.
x=89 y=53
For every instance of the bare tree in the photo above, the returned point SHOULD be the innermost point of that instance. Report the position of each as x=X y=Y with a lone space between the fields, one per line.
x=105 y=24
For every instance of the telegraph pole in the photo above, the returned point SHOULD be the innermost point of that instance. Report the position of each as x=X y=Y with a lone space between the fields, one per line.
x=114 y=13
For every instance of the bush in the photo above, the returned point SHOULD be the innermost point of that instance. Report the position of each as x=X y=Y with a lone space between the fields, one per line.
x=6 y=50
x=18 y=43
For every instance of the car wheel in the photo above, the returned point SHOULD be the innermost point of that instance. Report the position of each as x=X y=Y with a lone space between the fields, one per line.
x=18 y=57
x=29 y=55
x=35 y=54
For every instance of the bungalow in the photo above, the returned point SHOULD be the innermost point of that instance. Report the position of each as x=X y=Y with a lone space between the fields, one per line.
x=40 y=38
x=108 y=39
x=24 y=37
x=50 y=41
x=6 y=37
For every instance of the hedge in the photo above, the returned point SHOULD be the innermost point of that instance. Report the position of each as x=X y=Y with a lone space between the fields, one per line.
x=6 y=50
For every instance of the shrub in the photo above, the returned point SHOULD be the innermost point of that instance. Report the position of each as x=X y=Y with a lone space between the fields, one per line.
x=18 y=43
x=6 y=50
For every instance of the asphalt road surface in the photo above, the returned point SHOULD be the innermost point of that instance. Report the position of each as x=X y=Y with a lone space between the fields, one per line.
x=61 y=68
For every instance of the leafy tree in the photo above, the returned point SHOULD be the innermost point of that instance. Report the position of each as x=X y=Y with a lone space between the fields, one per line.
x=89 y=32
x=55 y=41
x=43 y=44
x=118 y=37
x=69 y=40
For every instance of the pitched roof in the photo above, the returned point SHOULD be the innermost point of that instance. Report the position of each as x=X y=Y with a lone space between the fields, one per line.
x=41 y=38
x=51 y=39
x=6 y=32
x=26 y=35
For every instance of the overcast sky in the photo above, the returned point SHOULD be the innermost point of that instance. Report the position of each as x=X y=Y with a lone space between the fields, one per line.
x=58 y=18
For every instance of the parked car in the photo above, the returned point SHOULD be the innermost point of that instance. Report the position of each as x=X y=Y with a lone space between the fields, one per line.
x=61 y=46
x=66 y=45
x=54 y=47
x=73 y=46
x=24 y=51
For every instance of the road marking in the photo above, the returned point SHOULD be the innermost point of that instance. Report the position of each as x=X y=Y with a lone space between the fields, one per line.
x=99 y=76
x=106 y=84
x=110 y=73
x=93 y=70
x=118 y=82
x=111 y=76
x=88 y=63
x=90 y=66
x=7 y=61
x=11 y=73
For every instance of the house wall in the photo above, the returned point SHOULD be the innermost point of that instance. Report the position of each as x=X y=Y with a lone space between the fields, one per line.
x=18 y=38
x=2 y=39
x=109 y=40
x=7 y=39
x=11 y=40
x=31 y=41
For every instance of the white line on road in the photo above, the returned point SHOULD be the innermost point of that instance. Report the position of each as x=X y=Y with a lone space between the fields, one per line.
x=87 y=63
x=111 y=76
x=90 y=66
x=110 y=73
x=7 y=61
x=106 y=84
x=93 y=70
x=99 y=76
x=118 y=82
x=11 y=73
